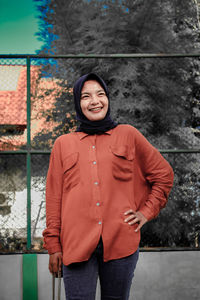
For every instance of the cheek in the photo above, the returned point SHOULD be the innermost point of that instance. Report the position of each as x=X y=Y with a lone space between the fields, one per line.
x=83 y=106
x=106 y=106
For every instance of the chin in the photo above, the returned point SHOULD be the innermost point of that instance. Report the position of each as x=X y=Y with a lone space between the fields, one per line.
x=95 y=118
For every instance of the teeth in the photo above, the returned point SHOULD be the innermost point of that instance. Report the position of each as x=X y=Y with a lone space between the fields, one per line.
x=96 y=108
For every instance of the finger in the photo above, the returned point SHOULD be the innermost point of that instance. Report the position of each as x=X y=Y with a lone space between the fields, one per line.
x=134 y=221
x=139 y=227
x=130 y=218
x=50 y=265
x=60 y=263
x=55 y=266
x=51 y=268
x=129 y=212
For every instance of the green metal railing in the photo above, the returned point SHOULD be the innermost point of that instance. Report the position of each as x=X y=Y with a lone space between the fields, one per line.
x=29 y=151
x=28 y=61
x=118 y=55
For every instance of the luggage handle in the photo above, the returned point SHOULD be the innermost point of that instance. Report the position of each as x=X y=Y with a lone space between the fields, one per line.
x=59 y=285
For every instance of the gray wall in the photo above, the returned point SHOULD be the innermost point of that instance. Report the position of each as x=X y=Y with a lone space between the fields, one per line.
x=159 y=275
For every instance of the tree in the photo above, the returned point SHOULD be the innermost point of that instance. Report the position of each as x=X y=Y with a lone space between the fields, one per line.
x=158 y=96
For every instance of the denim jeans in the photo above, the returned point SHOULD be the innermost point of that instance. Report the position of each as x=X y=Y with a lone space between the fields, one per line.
x=80 y=279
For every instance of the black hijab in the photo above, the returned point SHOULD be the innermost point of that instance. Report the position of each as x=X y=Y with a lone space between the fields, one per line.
x=87 y=126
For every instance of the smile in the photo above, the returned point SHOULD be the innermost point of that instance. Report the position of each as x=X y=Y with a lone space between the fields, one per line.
x=96 y=109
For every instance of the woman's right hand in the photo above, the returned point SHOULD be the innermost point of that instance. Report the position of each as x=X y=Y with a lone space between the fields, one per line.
x=55 y=262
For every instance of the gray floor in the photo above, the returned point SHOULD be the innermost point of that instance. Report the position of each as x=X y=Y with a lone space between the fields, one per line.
x=159 y=275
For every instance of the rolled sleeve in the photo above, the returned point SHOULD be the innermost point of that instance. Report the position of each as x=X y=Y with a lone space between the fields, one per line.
x=53 y=201
x=159 y=174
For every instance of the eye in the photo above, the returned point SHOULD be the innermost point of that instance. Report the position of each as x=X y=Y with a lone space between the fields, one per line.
x=84 y=96
x=101 y=94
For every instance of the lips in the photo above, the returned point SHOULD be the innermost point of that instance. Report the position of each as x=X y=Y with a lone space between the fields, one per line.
x=96 y=109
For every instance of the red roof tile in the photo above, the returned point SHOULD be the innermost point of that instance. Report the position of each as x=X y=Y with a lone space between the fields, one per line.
x=44 y=92
x=13 y=94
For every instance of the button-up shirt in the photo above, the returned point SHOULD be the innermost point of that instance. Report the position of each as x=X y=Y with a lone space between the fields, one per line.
x=92 y=181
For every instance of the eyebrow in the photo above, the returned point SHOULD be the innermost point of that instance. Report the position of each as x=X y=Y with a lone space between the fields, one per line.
x=84 y=93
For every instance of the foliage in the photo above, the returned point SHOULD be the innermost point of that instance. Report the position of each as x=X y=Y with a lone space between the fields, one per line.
x=11 y=243
x=159 y=96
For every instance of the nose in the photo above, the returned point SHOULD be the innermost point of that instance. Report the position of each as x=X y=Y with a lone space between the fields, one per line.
x=94 y=100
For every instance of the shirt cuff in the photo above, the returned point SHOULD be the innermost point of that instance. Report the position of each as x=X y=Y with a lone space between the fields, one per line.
x=53 y=249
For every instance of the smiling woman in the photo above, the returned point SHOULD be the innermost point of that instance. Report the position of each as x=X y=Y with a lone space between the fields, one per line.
x=105 y=181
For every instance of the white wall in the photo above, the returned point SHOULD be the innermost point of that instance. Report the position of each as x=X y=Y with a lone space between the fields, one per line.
x=158 y=276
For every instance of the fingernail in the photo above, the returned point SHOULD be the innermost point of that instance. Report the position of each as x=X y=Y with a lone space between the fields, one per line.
x=125 y=213
x=125 y=220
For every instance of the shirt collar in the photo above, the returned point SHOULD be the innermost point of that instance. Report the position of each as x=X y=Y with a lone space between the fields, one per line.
x=82 y=135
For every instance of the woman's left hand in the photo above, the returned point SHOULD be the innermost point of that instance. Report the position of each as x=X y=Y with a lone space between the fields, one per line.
x=135 y=217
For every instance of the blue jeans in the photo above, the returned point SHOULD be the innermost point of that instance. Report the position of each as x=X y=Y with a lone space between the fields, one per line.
x=80 y=279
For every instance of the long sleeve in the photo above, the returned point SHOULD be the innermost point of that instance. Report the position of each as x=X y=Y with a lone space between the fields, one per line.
x=159 y=174
x=53 y=202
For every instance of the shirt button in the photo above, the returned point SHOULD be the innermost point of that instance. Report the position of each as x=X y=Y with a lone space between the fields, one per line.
x=99 y=222
x=96 y=182
x=94 y=162
x=97 y=203
x=93 y=147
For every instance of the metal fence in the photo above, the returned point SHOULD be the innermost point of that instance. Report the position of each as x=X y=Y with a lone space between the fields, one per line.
x=29 y=153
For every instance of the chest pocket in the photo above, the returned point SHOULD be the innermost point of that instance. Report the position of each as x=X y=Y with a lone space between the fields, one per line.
x=122 y=162
x=71 y=171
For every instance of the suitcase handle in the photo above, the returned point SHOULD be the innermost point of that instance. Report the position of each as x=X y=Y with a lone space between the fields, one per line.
x=59 y=285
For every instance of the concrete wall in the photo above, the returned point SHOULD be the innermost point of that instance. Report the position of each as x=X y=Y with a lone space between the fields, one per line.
x=11 y=277
x=159 y=275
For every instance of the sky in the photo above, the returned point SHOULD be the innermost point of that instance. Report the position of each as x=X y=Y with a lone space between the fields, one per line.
x=18 y=25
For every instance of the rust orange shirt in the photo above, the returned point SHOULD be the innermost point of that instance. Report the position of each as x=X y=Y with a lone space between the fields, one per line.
x=92 y=180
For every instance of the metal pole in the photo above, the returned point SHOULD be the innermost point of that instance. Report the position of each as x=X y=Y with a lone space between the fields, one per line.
x=49 y=152
x=28 y=155
x=53 y=287
x=111 y=55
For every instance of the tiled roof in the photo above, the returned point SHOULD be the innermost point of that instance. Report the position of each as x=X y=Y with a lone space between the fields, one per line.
x=13 y=94
x=44 y=92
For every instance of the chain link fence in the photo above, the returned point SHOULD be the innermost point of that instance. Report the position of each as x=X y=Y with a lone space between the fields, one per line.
x=36 y=106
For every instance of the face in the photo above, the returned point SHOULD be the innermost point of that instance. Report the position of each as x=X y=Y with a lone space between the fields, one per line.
x=94 y=102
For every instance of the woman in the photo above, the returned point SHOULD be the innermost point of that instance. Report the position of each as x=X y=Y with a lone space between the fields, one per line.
x=104 y=182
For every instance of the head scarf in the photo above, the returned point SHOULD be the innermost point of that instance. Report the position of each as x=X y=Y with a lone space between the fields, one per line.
x=87 y=126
